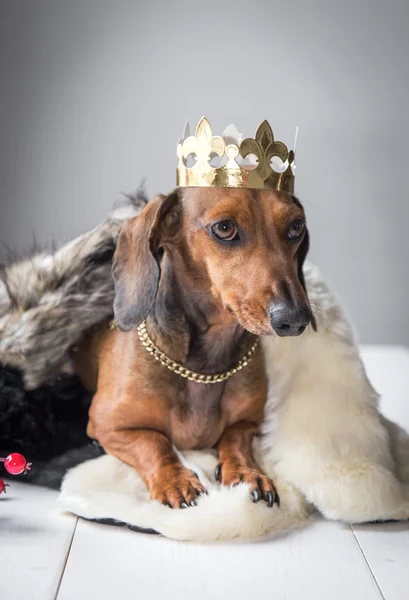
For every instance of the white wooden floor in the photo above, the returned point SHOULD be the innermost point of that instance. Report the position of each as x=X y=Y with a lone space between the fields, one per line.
x=46 y=555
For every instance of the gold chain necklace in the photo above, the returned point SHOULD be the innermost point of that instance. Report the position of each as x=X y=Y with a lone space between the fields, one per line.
x=170 y=364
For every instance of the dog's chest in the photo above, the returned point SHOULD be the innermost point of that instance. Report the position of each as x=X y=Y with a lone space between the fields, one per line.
x=197 y=419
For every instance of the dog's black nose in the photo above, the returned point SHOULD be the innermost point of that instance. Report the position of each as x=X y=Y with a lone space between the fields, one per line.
x=287 y=319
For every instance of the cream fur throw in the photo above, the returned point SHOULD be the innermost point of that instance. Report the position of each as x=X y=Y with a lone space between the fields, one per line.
x=324 y=442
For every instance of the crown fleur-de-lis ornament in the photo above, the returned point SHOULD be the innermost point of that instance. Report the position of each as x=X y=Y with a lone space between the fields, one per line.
x=202 y=145
x=265 y=148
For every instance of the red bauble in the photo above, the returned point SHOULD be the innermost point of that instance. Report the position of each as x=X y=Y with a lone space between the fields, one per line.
x=15 y=464
x=3 y=486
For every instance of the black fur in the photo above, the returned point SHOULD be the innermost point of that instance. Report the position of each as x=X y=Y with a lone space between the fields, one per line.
x=47 y=425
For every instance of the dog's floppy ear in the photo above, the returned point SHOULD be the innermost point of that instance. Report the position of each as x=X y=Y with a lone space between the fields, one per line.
x=136 y=269
x=301 y=255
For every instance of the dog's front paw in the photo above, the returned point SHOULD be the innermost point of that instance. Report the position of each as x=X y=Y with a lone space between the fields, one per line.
x=261 y=487
x=176 y=487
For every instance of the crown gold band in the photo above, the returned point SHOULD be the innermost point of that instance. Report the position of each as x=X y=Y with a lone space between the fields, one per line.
x=240 y=163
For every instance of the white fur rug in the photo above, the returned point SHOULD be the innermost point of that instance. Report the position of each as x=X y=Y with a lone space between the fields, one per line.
x=324 y=442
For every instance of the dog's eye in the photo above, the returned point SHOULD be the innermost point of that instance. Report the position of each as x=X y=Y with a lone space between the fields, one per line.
x=296 y=229
x=225 y=231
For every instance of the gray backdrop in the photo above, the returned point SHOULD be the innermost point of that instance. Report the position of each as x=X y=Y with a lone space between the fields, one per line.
x=94 y=94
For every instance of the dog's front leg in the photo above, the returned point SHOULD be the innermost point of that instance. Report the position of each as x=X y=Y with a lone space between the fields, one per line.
x=237 y=464
x=152 y=455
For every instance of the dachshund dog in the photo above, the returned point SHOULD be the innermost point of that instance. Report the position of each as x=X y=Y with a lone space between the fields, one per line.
x=208 y=270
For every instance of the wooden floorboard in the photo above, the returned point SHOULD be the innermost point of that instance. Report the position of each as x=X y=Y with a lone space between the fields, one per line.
x=386 y=546
x=386 y=550
x=34 y=543
x=322 y=562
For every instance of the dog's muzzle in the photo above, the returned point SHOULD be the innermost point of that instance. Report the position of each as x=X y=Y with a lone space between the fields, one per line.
x=287 y=319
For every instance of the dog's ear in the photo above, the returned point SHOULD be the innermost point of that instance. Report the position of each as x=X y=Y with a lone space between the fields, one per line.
x=136 y=269
x=301 y=255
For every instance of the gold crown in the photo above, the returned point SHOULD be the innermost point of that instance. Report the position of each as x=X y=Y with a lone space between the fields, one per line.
x=231 y=161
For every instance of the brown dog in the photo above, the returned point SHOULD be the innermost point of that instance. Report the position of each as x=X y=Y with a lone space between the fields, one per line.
x=209 y=269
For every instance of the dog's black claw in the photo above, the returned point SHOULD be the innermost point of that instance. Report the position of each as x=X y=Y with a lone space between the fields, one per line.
x=256 y=495
x=193 y=503
x=183 y=505
x=277 y=500
x=270 y=499
x=218 y=472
